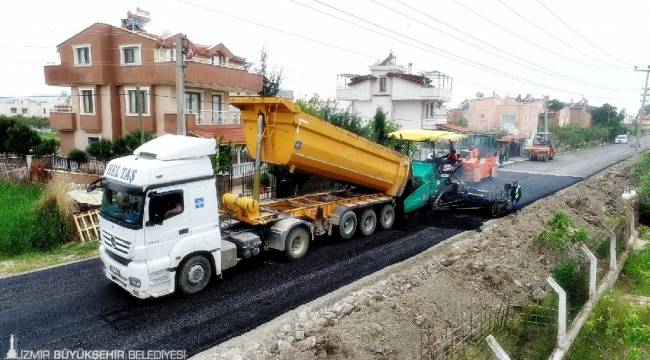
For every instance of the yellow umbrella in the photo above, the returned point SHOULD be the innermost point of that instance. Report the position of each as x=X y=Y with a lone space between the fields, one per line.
x=452 y=137
x=418 y=134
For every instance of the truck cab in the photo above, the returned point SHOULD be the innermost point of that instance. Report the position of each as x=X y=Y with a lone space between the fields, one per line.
x=159 y=219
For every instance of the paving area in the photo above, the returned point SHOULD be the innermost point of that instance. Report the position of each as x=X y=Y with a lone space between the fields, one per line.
x=74 y=306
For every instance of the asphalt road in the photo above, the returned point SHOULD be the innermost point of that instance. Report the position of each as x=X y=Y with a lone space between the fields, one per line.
x=74 y=306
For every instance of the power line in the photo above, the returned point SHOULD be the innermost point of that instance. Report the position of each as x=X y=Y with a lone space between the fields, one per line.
x=548 y=33
x=520 y=37
x=579 y=34
x=510 y=56
x=448 y=54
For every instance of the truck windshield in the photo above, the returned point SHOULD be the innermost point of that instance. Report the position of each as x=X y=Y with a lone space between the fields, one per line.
x=122 y=206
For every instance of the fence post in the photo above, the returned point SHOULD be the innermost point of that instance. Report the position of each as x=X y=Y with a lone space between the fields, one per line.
x=561 y=313
x=612 y=252
x=29 y=159
x=593 y=263
x=496 y=348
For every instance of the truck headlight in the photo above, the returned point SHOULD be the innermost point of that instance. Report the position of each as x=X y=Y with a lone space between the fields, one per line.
x=135 y=282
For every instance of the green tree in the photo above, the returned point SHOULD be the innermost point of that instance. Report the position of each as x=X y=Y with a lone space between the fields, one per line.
x=101 y=150
x=5 y=124
x=380 y=127
x=222 y=160
x=345 y=119
x=21 y=139
x=608 y=116
x=78 y=156
x=555 y=105
x=271 y=79
x=128 y=143
x=46 y=147
x=462 y=122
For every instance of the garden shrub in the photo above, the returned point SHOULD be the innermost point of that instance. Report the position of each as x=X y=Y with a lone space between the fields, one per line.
x=572 y=276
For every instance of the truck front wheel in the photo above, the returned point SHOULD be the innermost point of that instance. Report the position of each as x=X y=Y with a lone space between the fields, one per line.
x=296 y=243
x=194 y=274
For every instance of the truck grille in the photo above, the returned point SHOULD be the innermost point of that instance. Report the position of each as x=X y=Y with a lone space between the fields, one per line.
x=118 y=245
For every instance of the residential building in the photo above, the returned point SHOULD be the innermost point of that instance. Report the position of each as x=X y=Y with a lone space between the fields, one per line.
x=414 y=101
x=32 y=106
x=577 y=114
x=516 y=115
x=105 y=65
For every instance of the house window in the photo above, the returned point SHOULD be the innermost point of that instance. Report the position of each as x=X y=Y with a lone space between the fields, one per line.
x=87 y=102
x=166 y=55
x=218 y=60
x=24 y=111
x=509 y=122
x=130 y=54
x=92 y=139
x=216 y=102
x=81 y=55
x=14 y=110
x=44 y=112
x=192 y=102
x=430 y=110
x=382 y=84
x=137 y=101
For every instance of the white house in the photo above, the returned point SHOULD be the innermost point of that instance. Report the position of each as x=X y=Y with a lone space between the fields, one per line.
x=414 y=101
x=32 y=106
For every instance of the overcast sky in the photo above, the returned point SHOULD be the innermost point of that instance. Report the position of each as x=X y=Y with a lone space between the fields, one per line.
x=512 y=57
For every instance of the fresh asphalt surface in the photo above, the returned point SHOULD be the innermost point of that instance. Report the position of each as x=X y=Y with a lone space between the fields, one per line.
x=74 y=306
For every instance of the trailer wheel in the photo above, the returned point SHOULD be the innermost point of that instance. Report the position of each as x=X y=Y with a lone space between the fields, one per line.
x=348 y=225
x=387 y=216
x=297 y=243
x=194 y=274
x=368 y=222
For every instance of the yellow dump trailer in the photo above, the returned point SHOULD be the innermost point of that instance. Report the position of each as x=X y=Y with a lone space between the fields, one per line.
x=308 y=144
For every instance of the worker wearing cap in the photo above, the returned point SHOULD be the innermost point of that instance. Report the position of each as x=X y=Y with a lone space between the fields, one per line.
x=515 y=194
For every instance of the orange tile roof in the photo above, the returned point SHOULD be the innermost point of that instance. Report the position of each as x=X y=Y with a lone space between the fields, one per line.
x=234 y=134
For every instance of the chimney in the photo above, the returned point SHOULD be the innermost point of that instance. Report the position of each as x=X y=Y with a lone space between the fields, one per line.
x=410 y=68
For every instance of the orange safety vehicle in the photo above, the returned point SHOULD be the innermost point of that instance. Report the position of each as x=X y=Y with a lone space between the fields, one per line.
x=477 y=168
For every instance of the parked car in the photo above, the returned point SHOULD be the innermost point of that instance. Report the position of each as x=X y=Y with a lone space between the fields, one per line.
x=621 y=139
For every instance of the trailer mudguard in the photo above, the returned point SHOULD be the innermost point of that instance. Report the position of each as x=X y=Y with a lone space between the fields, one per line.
x=277 y=234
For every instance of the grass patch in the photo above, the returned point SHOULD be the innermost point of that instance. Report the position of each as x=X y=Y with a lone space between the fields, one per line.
x=636 y=271
x=37 y=218
x=531 y=335
x=37 y=260
x=560 y=232
x=617 y=329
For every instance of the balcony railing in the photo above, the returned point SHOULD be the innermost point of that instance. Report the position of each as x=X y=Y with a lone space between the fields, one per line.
x=209 y=117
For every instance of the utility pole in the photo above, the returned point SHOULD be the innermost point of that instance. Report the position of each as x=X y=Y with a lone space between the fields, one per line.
x=180 y=87
x=546 y=114
x=645 y=95
x=139 y=104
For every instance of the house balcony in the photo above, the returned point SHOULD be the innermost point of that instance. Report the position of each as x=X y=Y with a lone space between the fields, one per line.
x=422 y=93
x=63 y=121
x=208 y=117
x=351 y=94
x=196 y=74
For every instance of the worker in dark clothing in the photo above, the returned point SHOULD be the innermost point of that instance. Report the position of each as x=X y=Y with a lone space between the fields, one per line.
x=452 y=158
x=515 y=194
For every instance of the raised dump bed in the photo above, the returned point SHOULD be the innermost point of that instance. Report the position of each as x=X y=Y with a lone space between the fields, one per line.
x=308 y=144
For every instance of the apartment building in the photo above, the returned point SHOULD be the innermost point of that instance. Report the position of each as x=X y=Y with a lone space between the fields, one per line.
x=517 y=116
x=414 y=101
x=105 y=65
x=32 y=106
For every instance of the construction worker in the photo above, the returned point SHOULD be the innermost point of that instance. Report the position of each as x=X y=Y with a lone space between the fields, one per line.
x=515 y=194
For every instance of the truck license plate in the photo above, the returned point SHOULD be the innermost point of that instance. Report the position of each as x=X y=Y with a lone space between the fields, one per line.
x=444 y=175
x=114 y=270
